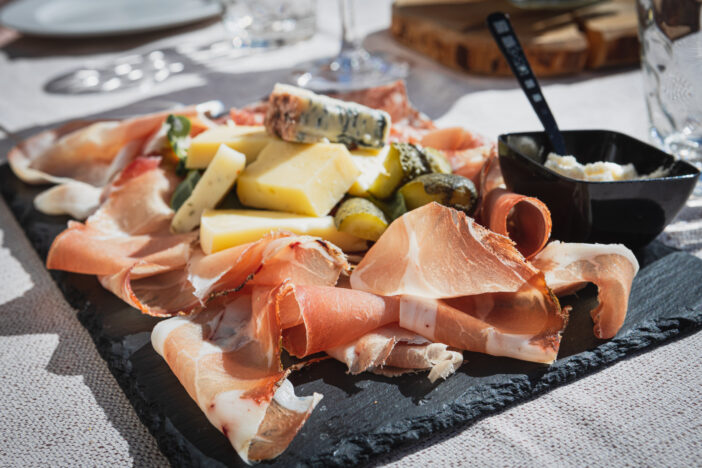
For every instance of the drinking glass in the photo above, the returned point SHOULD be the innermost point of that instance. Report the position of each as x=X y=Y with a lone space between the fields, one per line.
x=269 y=23
x=671 y=60
x=354 y=67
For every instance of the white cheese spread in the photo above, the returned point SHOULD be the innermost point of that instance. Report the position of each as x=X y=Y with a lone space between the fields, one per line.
x=600 y=171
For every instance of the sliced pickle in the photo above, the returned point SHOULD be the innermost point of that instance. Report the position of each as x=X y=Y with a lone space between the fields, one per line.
x=361 y=218
x=437 y=161
x=405 y=161
x=448 y=189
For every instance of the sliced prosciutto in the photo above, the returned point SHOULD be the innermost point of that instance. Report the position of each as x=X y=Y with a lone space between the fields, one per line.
x=438 y=252
x=463 y=285
x=465 y=151
x=131 y=226
x=228 y=360
x=391 y=351
x=84 y=156
x=525 y=220
x=316 y=318
x=268 y=261
x=569 y=267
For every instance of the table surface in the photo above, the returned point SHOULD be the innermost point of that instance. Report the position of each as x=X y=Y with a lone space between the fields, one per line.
x=60 y=404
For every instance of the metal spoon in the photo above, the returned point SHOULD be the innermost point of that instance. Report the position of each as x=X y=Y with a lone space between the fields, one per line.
x=506 y=39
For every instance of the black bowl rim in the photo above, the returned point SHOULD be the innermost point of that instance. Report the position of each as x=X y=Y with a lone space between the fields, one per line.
x=694 y=172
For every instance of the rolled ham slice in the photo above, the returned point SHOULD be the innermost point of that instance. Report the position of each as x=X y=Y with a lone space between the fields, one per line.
x=391 y=351
x=525 y=220
x=570 y=266
x=317 y=318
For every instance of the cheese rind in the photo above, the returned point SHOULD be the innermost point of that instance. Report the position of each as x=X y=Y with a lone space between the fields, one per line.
x=221 y=229
x=249 y=140
x=298 y=178
x=217 y=180
x=299 y=115
x=371 y=163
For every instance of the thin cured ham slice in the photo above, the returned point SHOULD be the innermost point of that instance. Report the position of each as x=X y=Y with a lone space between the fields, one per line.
x=74 y=198
x=438 y=252
x=525 y=220
x=228 y=360
x=452 y=139
x=467 y=152
x=131 y=226
x=316 y=318
x=267 y=262
x=391 y=351
x=463 y=285
x=90 y=152
x=85 y=154
x=570 y=266
x=128 y=242
x=526 y=325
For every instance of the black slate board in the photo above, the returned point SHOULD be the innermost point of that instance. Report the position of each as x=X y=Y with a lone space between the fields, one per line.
x=366 y=415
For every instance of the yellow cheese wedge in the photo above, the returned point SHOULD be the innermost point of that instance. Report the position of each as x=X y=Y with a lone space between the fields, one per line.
x=249 y=140
x=371 y=163
x=298 y=178
x=217 y=180
x=221 y=229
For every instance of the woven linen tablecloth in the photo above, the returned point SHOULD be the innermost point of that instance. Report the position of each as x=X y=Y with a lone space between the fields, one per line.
x=60 y=406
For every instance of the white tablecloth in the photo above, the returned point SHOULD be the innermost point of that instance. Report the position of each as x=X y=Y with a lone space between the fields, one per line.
x=60 y=406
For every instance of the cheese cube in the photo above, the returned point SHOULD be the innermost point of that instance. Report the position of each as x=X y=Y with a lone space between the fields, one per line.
x=221 y=229
x=248 y=140
x=298 y=178
x=217 y=180
x=371 y=163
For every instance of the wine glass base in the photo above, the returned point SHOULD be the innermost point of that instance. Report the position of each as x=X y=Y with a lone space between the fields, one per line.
x=350 y=70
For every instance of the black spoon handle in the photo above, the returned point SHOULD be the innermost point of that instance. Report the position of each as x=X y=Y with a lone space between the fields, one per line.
x=507 y=41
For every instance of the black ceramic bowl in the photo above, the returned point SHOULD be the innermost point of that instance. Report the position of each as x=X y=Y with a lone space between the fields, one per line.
x=631 y=212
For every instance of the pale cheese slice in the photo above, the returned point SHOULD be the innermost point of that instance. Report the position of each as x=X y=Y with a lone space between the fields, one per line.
x=371 y=163
x=221 y=229
x=218 y=179
x=249 y=140
x=298 y=178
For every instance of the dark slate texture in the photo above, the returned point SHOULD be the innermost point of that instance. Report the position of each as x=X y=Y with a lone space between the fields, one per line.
x=362 y=416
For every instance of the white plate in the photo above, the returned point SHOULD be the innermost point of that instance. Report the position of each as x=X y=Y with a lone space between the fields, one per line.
x=81 y=18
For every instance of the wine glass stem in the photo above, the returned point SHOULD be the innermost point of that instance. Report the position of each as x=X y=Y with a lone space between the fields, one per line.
x=350 y=39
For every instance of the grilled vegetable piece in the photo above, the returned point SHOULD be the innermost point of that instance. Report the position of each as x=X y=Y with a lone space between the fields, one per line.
x=405 y=161
x=447 y=189
x=361 y=218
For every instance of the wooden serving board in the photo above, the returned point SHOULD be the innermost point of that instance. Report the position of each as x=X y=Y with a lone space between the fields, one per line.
x=365 y=415
x=556 y=42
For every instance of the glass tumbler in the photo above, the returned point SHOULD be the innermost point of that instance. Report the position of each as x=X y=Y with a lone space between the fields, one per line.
x=269 y=23
x=671 y=60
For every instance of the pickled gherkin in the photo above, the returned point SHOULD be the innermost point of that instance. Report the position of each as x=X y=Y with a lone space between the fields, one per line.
x=437 y=161
x=361 y=218
x=447 y=189
x=405 y=162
